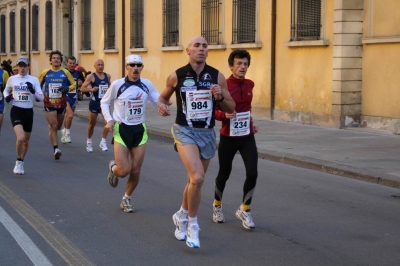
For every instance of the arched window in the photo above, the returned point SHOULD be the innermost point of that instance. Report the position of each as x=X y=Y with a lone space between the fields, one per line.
x=86 y=24
x=35 y=28
x=22 y=29
x=3 y=33
x=244 y=21
x=171 y=23
x=306 y=20
x=12 y=32
x=109 y=24
x=137 y=24
x=211 y=20
x=49 y=26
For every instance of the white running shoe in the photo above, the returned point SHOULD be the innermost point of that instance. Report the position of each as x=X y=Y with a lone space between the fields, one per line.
x=63 y=137
x=57 y=154
x=67 y=138
x=247 y=220
x=112 y=178
x=126 y=205
x=103 y=145
x=89 y=147
x=192 y=239
x=218 y=215
x=21 y=168
x=181 y=226
x=17 y=168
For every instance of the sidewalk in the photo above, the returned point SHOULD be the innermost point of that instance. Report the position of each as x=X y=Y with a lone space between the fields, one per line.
x=364 y=154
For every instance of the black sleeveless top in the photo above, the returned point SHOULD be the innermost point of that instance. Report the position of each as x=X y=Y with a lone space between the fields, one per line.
x=189 y=81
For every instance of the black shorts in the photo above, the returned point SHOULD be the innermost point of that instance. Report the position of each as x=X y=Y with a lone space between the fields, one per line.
x=60 y=111
x=94 y=107
x=22 y=116
x=130 y=136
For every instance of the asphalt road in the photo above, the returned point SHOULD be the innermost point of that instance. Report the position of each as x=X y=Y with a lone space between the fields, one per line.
x=71 y=215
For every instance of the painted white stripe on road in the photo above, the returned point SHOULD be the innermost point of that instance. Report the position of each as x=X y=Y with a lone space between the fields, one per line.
x=31 y=250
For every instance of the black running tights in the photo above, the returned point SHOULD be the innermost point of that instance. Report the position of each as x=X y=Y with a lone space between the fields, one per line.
x=227 y=149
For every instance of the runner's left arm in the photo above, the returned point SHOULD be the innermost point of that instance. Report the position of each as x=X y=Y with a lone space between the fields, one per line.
x=38 y=91
x=153 y=95
x=220 y=91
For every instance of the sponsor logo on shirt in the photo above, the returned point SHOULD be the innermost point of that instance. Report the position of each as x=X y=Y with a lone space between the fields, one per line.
x=206 y=76
x=189 y=83
x=193 y=88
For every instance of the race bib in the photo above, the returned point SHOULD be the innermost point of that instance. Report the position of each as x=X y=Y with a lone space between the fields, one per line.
x=134 y=110
x=102 y=90
x=198 y=104
x=240 y=125
x=22 y=96
x=54 y=91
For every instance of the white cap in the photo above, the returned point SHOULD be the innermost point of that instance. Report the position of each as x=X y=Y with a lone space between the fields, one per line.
x=133 y=58
x=23 y=59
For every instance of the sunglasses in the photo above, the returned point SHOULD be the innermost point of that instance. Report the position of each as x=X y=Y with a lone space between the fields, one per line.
x=138 y=65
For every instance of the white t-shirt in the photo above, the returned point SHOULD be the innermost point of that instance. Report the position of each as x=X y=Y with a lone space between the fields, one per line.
x=22 y=96
x=130 y=99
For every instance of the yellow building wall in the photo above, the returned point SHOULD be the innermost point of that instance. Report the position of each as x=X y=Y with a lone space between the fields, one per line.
x=159 y=64
x=381 y=68
x=385 y=22
x=303 y=74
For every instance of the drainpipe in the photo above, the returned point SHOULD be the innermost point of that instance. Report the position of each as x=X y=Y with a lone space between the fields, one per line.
x=70 y=21
x=123 y=39
x=273 y=51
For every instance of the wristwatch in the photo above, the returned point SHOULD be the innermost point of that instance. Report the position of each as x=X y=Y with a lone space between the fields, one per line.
x=220 y=100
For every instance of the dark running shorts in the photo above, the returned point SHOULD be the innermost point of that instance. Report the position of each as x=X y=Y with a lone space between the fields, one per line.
x=60 y=111
x=22 y=116
x=72 y=101
x=130 y=135
x=94 y=107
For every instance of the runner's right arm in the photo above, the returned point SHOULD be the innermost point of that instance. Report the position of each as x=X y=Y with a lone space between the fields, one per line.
x=163 y=100
x=85 y=86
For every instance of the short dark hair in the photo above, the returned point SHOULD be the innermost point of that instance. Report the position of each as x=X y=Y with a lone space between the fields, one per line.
x=71 y=58
x=56 y=52
x=239 y=53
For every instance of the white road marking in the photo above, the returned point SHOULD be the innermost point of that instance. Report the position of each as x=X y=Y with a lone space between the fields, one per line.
x=31 y=250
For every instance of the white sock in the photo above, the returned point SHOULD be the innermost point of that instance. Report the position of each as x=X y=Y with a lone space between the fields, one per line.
x=183 y=210
x=66 y=130
x=192 y=220
x=103 y=140
x=127 y=197
x=89 y=140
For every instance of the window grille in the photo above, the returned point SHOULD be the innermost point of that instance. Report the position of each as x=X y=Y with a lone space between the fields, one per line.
x=305 y=20
x=22 y=29
x=86 y=25
x=171 y=23
x=35 y=28
x=136 y=24
x=12 y=32
x=3 y=33
x=49 y=26
x=109 y=24
x=244 y=21
x=211 y=21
